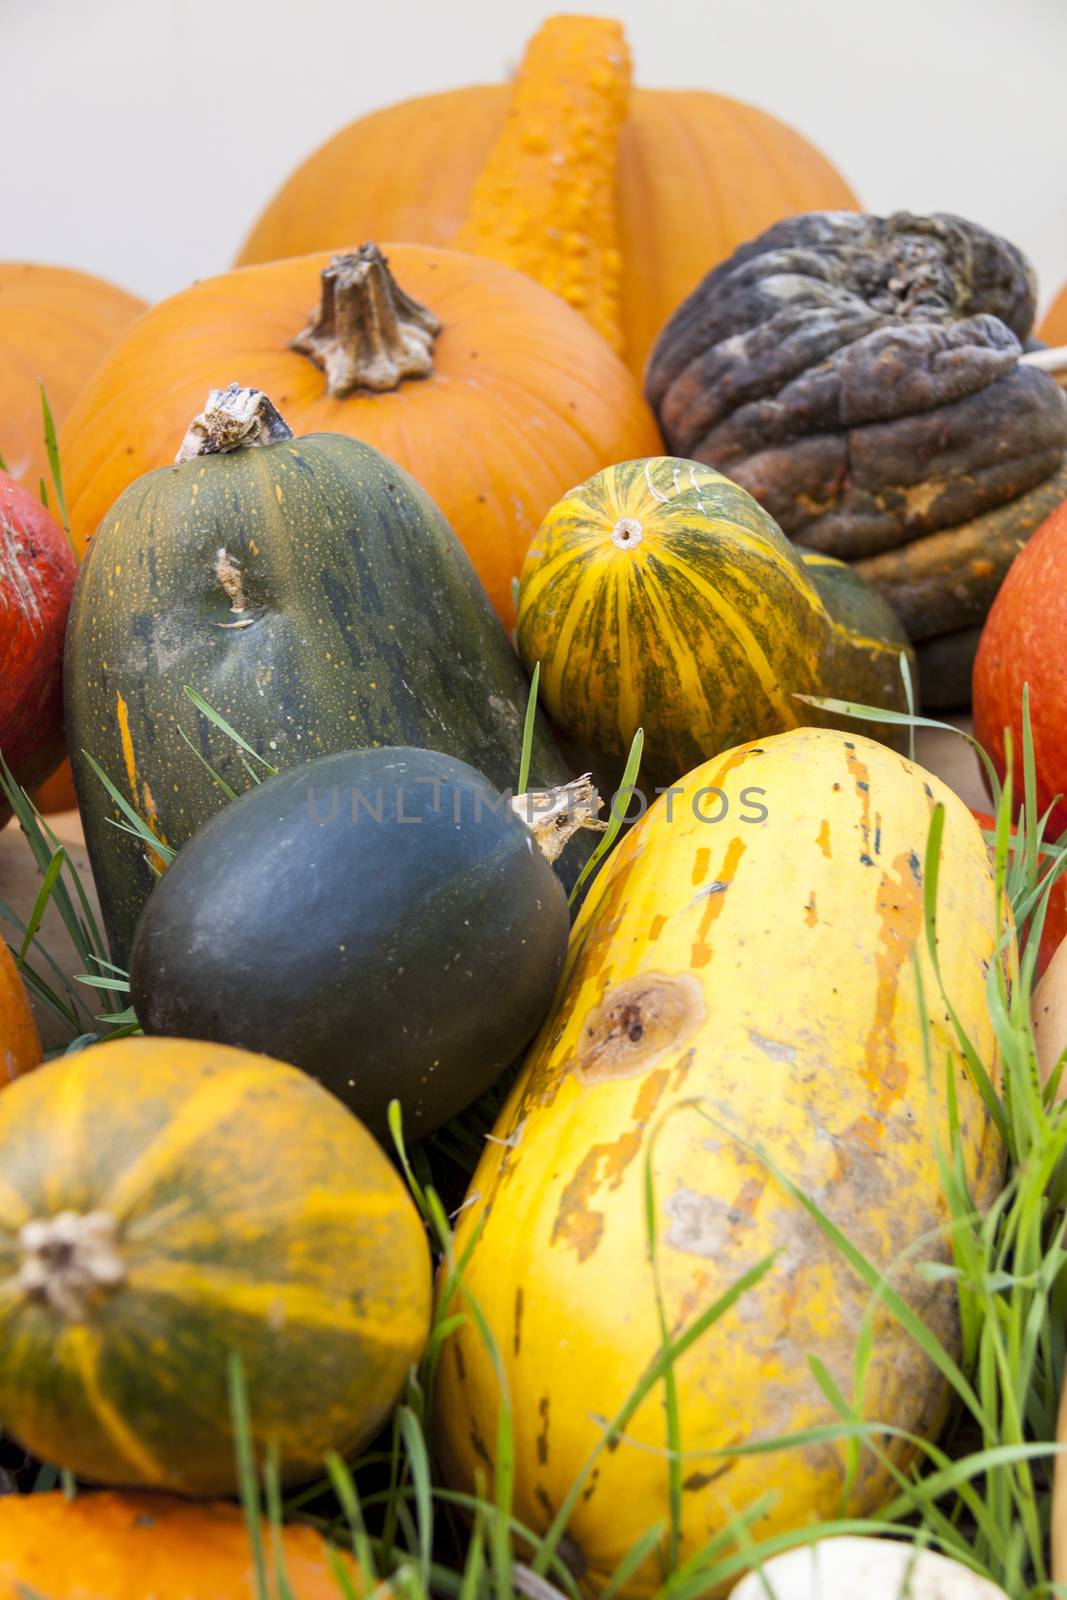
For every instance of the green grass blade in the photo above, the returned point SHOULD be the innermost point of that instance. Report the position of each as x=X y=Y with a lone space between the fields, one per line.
x=615 y=821
x=246 y=1470
x=219 y=721
x=528 y=730
x=51 y=444
x=137 y=822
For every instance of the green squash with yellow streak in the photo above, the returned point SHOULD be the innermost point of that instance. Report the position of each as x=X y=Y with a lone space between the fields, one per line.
x=313 y=594
x=163 y=1203
x=660 y=595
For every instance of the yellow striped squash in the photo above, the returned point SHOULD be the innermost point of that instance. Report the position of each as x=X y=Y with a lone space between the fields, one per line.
x=738 y=1014
x=163 y=1203
x=660 y=595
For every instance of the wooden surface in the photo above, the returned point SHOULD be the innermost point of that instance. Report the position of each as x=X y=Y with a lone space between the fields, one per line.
x=942 y=752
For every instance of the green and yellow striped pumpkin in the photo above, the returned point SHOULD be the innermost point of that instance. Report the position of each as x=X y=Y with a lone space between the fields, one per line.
x=163 y=1203
x=660 y=595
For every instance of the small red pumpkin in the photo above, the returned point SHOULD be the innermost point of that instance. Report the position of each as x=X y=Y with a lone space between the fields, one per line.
x=1024 y=643
x=37 y=572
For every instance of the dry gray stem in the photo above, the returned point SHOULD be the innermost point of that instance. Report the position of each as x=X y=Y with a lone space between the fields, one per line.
x=233 y=419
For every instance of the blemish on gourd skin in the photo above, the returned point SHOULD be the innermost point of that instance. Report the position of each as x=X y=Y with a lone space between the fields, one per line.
x=701 y=951
x=861 y=777
x=810 y=913
x=541 y=1442
x=900 y=909
x=636 y=1023
x=822 y=838
x=705 y=1225
x=575 y=1223
x=516 y=1342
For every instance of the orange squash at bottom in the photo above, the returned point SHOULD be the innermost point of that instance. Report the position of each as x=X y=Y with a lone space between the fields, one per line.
x=20 y=1043
x=127 y=1547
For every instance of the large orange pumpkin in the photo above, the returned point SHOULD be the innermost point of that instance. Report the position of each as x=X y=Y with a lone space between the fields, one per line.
x=620 y=201
x=20 y=1044
x=512 y=401
x=129 y=1546
x=55 y=326
x=1053 y=328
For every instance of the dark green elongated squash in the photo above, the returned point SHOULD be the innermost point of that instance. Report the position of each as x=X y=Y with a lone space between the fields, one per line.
x=381 y=918
x=318 y=600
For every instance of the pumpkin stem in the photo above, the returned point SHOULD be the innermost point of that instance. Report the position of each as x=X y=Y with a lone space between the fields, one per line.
x=545 y=200
x=69 y=1259
x=554 y=816
x=367 y=333
x=233 y=419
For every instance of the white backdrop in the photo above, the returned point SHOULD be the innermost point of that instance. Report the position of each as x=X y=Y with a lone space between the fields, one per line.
x=139 y=138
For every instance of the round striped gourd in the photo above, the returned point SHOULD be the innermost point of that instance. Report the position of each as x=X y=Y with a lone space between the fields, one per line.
x=129 y=1546
x=164 y=1203
x=738 y=1013
x=313 y=594
x=660 y=595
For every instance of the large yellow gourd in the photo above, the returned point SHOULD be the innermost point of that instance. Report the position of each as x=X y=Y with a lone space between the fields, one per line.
x=731 y=986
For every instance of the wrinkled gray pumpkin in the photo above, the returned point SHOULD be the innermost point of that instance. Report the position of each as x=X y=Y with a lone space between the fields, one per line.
x=860 y=376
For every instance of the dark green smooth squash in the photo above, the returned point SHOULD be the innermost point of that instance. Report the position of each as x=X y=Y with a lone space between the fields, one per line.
x=318 y=600
x=380 y=918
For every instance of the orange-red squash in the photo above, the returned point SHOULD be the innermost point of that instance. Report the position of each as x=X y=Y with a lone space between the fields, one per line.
x=37 y=573
x=1023 y=644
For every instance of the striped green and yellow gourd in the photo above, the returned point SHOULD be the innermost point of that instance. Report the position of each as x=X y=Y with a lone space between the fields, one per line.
x=660 y=595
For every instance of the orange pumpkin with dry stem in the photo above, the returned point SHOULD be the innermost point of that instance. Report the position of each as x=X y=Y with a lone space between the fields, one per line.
x=494 y=395
x=129 y=1546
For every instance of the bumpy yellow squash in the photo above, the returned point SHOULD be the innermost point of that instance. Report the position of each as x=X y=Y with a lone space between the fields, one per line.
x=732 y=986
x=660 y=595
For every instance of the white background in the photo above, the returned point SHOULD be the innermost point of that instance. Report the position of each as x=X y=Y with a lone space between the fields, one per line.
x=139 y=138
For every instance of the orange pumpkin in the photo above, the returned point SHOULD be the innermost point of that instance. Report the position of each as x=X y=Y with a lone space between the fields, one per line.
x=57 y=794
x=620 y=201
x=20 y=1043
x=56 y=326
x=129 y=1546
x=1053 y=328
x=490 y=391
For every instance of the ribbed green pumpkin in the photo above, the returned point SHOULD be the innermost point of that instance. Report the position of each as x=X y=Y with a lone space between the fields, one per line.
x=317 y=599
x=660 y=595
x=163 y=1203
